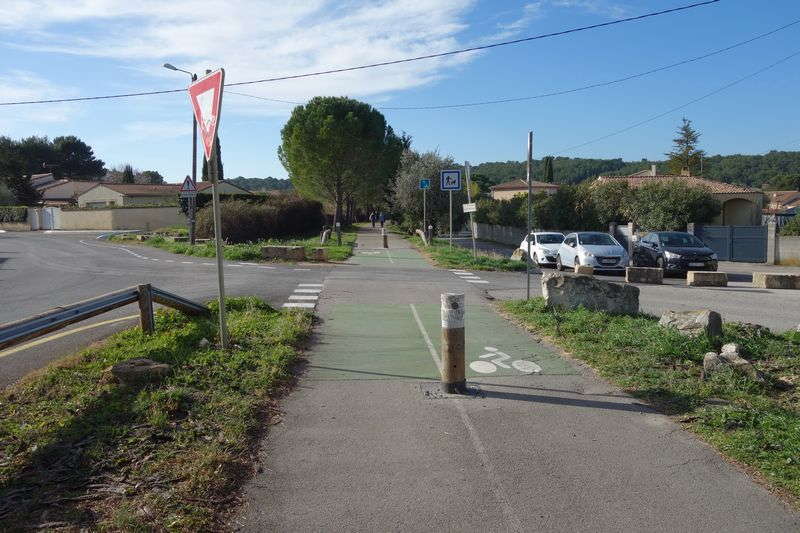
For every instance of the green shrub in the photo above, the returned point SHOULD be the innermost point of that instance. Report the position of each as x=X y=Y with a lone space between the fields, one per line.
x=791 y=228
x=13 y=214
x=275 y=217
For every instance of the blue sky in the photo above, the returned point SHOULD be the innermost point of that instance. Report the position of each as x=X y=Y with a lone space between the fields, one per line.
x=53 y=48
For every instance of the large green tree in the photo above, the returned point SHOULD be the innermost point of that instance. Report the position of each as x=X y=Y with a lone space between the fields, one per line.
x=547 y=172
x=670 y=206
x=204 y=176
x=128 y=175
x=685 y=155
x=338 y=150
x=75 y=159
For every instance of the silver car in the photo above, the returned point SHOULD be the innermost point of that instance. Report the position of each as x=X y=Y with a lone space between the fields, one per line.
x=592 y=248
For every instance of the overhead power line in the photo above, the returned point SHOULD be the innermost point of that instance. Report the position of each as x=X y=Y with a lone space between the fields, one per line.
x=682 y=106
x=561 y=92
x=379 y=64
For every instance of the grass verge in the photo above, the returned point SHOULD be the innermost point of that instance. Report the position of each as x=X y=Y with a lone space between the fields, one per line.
x=440 y=253
x=80 y=451
x=757 y=424
x=247 y=251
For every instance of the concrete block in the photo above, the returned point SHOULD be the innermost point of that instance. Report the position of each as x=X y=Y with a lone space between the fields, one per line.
x=178 y=238
x=143 y=237
x=319 y=254
x=697 y=278
x=644 y=275
x=766 y=280
x=289 y=253
x=584 y=270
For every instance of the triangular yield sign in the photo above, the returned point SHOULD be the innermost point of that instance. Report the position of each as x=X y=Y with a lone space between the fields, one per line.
x=206 y=97
x=188 y=185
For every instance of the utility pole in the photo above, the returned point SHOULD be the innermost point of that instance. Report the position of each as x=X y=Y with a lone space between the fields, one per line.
x=425 y=213
x=467 y=170
x=530 y=217
x=193 y=199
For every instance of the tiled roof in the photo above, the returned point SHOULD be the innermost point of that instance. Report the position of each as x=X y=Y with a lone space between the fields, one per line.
x=522 y=185
x=784 y=198
x=718 y=187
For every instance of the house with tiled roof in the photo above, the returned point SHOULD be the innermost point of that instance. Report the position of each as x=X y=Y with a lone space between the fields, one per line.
x=741 y=205
x=510 y=189
x=63 y=191
x=783 y=201
x=131 y=194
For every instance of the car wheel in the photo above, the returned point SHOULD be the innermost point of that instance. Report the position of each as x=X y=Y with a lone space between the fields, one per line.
x=559 y=264
x=660 y=262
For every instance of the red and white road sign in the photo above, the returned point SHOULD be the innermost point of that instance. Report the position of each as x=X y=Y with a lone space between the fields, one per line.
x=188 y=188
x=206 y=97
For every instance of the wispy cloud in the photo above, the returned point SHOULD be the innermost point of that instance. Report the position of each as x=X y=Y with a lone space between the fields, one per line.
x=605 y=8
x=25 y=85
x=156 y=129
x=253 y=39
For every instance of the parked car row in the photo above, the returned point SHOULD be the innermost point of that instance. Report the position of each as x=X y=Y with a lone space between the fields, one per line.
x=674 y=251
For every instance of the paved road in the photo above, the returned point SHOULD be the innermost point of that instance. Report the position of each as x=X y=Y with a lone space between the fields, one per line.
x=740 y=302
x=368 y=443
x=39 y=271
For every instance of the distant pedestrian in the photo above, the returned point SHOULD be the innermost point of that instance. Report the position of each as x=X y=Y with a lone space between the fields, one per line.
x=382 y=217
x=372 y=218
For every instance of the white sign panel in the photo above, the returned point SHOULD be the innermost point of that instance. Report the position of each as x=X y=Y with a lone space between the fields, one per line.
x=451 y=180
x=470 y=208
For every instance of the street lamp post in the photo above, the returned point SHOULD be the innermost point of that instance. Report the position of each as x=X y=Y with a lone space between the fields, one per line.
x=191 y=201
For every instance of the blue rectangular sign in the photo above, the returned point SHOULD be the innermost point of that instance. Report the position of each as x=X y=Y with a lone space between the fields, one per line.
x=451 y=180
x=424 y=184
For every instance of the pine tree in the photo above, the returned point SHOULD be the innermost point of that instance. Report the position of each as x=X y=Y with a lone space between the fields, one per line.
x=685 y=155
x=127 y=175
x=547 y=173
x=205 y=173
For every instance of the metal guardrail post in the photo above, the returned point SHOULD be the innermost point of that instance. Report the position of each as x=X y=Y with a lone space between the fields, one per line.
x=146 y=318
x=385 y=238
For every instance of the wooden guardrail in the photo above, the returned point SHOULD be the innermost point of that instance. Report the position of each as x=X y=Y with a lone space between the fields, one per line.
x=12 y=333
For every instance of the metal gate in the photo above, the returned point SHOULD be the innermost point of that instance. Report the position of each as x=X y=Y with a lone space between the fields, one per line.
x=736 y=243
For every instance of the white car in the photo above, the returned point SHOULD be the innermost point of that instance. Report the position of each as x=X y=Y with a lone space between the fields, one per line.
x=543 y=247
x=592 y=248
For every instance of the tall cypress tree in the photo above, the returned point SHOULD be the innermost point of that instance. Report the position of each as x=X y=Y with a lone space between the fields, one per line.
x=127 y=175
x=547 y=173
x=206 y=176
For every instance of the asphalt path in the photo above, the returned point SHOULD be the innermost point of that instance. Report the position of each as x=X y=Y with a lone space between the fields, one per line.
x=368 y=442
x=39 y=271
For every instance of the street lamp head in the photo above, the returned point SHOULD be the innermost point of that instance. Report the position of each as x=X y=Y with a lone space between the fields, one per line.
x=170 y=66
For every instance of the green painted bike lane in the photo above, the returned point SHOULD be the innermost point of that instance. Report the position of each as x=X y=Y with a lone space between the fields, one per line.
x=386 y=342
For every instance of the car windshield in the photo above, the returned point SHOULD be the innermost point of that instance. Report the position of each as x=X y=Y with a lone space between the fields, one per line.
x=680 y=240
x=549 y=238
x=597 y=239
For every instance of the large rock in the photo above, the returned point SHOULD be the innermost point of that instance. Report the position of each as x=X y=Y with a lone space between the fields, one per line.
x=571 y=292
x=694 y=323
x=288 y=253
x=518 y=255
x=136 y=371
x=730 y=356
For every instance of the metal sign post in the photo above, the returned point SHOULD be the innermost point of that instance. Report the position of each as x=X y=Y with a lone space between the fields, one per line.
x=467 y=170
x=528 y=234
x=205 y=95
x=450 y=181
x=425 y=185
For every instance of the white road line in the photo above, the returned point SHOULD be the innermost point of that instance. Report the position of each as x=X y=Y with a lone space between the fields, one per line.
x=151 y=258
x=168 y=261
x=309 y=284
x=299 y=304
x=208 y=264
x=389 y=256
x=514 y=523
x=249 y=264
x=234 y=265
x=269 y=268
x=470 y=277
x=187 y=262
x=301 y=269
x=308 y=290
x=303 y=297
x=476 y=281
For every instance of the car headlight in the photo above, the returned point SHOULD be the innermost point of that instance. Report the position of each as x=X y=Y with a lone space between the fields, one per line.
x=672 y=255
x=714 y=257
x=588 y=254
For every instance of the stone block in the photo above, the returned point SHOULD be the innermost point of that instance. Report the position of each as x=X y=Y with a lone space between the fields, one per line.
x=178 y=238
x=571 y=292
x=584 y=270
x=766 y=280
x=644 y=275
x=696 y=278
x=694 y=323
x=140 y=370
x=319 y=254
x=143 y=237
x=518 y=255
x=288 y=253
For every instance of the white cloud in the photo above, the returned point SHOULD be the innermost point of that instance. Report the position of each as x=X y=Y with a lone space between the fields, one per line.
x=530 y=12
x=253 y=39
x=599 y=7
x=16 y=85
x=156 y=129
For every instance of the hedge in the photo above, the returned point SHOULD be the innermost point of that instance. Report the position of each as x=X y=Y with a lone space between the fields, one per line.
x=13 y=214
x=274 y=217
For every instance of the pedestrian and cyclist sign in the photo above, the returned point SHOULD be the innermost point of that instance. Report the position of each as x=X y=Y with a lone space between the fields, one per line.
x=450 y=180
x=424 y=184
